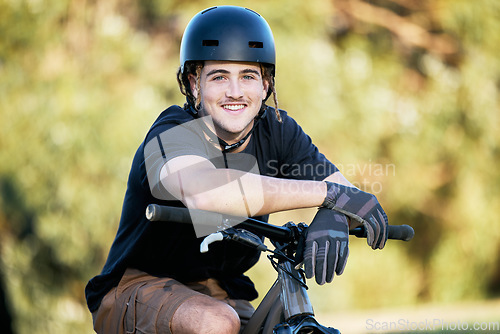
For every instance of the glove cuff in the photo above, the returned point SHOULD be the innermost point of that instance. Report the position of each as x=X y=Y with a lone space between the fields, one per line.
x=331 y=195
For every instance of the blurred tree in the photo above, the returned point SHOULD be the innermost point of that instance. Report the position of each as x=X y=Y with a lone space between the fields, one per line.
x=440 y=129
x=408 y=87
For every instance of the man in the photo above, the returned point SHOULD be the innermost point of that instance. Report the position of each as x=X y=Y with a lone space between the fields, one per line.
x=225 y=151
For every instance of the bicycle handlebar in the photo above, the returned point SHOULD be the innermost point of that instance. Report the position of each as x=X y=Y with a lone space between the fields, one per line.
x=155 y=212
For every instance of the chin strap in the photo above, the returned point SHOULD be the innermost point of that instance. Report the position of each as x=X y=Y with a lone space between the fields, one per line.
x=213 y=138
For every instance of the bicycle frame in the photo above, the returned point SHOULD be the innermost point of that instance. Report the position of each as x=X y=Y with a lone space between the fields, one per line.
x=286 y=308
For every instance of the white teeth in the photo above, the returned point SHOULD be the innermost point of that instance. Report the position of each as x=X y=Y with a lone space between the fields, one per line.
x=233 y=106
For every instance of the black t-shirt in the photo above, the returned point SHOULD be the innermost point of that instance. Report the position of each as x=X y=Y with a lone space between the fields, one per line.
x=168 y=249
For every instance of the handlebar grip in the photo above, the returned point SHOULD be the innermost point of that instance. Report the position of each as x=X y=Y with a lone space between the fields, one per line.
x=155 y=212
x=401 y=232
x=396 y=232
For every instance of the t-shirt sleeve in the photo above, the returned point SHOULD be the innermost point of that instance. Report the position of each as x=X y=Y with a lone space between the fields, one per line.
x=300 y=158
x=165 y=142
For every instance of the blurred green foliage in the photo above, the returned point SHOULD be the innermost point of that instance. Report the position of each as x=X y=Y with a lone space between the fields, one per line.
x=402 y=95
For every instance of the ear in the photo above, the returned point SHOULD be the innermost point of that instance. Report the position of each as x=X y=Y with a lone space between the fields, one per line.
x=265 y=83
x=192 y=84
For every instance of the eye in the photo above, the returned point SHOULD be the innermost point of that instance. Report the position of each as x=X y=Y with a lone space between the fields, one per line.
x=248 y=77
x=218 y=78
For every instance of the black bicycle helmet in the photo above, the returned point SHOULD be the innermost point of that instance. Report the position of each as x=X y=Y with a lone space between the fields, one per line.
x=228 y=33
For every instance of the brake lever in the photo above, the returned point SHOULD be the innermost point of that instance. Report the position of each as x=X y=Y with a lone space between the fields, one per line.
x=248 y=239
x=209 y=239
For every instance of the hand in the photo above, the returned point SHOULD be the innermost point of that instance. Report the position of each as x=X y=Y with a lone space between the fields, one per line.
x=361 y=206
x=325 y=248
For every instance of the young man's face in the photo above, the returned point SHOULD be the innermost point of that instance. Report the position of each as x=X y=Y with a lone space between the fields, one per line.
x=232 y=94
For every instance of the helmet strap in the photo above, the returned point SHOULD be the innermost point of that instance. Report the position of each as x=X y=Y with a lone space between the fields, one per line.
x=191 y=109
x=214 y=139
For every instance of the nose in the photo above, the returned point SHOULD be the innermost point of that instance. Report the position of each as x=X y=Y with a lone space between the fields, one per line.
x=234 y=89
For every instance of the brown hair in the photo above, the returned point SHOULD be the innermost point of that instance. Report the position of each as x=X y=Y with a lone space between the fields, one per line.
x=195 y=67
x=184 y=84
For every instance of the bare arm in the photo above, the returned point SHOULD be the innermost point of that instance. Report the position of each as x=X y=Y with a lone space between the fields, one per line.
x=198 y=184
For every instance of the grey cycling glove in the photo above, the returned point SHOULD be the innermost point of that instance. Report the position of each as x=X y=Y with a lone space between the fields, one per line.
x=326 y=246
x=361 y=206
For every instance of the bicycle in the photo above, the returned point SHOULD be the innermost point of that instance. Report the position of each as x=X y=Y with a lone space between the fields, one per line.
x=286 y=308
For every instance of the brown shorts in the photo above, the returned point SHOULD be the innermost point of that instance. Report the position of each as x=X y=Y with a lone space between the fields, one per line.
x=142 y=303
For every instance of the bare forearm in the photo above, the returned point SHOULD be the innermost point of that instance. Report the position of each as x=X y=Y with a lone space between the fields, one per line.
x=198 y=184
x=250 y=194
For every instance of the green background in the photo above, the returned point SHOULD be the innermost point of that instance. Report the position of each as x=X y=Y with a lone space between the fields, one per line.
x=402 y=95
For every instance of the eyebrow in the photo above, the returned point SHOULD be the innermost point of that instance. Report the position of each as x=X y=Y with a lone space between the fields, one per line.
x=248 y=70
x=222 y=71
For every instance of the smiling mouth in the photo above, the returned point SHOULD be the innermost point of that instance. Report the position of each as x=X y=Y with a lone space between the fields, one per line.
x=233 y=107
